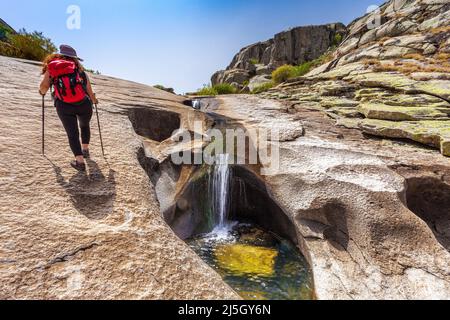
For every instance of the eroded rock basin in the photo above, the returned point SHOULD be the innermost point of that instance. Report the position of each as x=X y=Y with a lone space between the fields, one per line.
x=257 y=264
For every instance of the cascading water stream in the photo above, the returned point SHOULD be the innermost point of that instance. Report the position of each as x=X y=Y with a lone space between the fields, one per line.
x=196 y=104
x=220 y=191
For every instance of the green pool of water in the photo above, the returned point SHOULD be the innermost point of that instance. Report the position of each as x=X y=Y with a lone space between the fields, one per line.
x=257 y=264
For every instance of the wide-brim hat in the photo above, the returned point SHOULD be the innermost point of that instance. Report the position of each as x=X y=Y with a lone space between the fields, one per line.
x=68 y=51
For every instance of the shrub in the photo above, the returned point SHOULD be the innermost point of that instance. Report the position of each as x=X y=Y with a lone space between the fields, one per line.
x=161 y=87
x=263 y=87
x=92 y=71
x=8 y=50
x=32 y=46
x=207 y=91
x=225 y=88
x=337 y=39
x=303 y=69
x=218 y=89
x=254 y=61
x=3 y=34
x=286 y=72
x=283 y=73
x=5 y=31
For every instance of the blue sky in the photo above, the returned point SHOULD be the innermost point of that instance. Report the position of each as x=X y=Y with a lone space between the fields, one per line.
x=177 y=43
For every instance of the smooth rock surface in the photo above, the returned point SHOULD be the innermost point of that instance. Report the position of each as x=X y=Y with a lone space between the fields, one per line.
x=97 y=236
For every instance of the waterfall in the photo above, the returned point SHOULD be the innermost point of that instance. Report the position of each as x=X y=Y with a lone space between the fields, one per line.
x=196 y=104
x=220 y=192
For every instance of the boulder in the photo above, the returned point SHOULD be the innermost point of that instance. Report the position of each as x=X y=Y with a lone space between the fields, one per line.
x=264 y=69
x=231 y=76
x=258 y=80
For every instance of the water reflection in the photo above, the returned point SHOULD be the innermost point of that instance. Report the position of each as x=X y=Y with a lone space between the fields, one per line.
x=257 y=264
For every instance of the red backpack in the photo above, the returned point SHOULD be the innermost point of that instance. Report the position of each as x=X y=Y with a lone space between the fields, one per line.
x=69 y=82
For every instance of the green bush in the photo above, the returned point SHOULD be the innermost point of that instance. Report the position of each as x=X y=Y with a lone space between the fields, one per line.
x=283 y=73
x=225 y=88
x=4 y=32
x=286 y=72
x=161 y=87
x=32 y=46
x=303 y=69
x=218 y=89
x=254 y=61
x=337 y=39
x=263 y=87
x=207 y=91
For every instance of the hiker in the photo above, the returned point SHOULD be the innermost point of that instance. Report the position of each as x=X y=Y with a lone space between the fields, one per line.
x=73 y=97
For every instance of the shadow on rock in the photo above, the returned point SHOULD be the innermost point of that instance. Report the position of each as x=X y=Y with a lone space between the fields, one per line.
x=92 y=194
x=429 y=199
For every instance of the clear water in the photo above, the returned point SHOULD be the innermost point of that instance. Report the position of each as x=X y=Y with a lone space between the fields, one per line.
x=257 y=264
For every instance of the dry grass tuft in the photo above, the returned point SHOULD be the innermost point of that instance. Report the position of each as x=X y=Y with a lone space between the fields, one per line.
x=439 y=30
x=415 y=56
x=445 y=57
x=408 y=68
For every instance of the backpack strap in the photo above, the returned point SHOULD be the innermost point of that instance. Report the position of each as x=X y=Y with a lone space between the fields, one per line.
x=58 y=85
x=73 y=83
x=84 y=80
x=61 y=86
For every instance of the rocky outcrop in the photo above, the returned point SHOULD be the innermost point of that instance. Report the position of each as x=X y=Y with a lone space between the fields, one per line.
x=389 y=77
x=99 y=235
x=294 y=46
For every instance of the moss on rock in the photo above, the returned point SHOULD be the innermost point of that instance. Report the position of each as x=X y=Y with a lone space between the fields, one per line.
x=432 y=133
x=440 y=88
x=398 y=113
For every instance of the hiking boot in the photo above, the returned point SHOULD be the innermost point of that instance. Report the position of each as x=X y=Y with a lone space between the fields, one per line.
x=86 y=154
x=78 y=166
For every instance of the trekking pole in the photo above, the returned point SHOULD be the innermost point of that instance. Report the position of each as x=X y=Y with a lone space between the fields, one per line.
x=43 y=125
x=99 y=130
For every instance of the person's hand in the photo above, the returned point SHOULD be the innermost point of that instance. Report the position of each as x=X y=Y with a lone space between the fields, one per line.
x=94 y=100
x=42 y=94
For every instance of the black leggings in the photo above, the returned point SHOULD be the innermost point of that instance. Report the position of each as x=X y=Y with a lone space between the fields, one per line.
x=71 y=115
